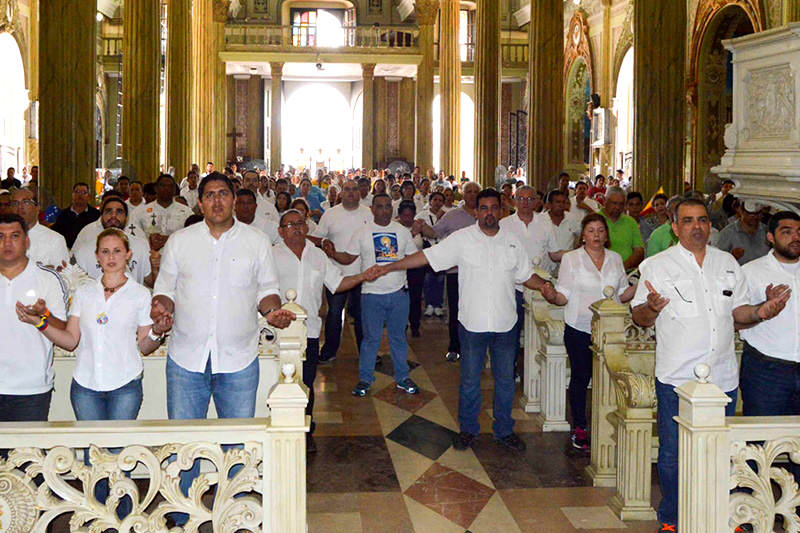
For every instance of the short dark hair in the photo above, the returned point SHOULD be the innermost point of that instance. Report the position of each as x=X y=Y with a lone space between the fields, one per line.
x=281 y=181
x=381 y=195
x=552 y=194
x=689 y=202
x=660 y=196
x=111 y=193
x=162 y=176
x=246 y=192
x=214 y=176
x=13 y=218
x=408 y=183
x=114 y=198
x=781 y=215
x=149 y=188
x=80 y=184
x=489 y=193
x=563 y=175
x=126 y=178
x=192 y=219
x=363 y=179
x=595 y=217
x=406 y=205
x=435 y=193
x=634 y=194
x=728 y=182
x=578 y=184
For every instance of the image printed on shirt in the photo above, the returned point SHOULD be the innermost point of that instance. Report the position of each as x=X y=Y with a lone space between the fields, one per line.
x=386 y=249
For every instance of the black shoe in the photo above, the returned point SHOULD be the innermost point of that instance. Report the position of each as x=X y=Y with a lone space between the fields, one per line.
x=452 y=357
x=311 y=446
x=325 y=360
x=378 y=360
x=415 y=333
x=361 y=389
x=463 y=440
x=512 y=442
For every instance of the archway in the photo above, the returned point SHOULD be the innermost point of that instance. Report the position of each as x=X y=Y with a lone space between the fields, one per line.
x=711 y=80
x=15 y=101
x=623 y=112
x=315 y=132
x=577 y=127
x=467 y=134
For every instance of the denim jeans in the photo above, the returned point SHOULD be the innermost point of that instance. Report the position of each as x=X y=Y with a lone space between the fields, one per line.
x=416 y=279
x=769 y=388
x=310 y=374
x=335 y=319
x=379 y=310
x=452 y=313
x=668 y=449
x=578 y=345
x=473 y=357
x=25 y=407
x=188 y=396
x=118 y=404
x=434 y=288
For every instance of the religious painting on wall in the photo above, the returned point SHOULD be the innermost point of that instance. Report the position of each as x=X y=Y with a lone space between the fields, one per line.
x=260 y=6
x=375 y=6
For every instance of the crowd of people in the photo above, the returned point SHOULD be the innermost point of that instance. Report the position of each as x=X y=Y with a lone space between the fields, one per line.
x=217 y=248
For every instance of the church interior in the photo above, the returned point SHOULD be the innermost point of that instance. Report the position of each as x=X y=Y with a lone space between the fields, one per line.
x=642 y=89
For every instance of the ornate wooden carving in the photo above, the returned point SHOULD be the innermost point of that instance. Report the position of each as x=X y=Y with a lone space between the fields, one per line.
x=578 y=45
x=9 y=13
x=426 y=11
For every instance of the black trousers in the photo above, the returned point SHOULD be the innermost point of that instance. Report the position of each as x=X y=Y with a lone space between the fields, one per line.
x=310 y=374
x=416 y=281
x=25 y=407
x=334 y=320
x=452 y=308
x=579 y=352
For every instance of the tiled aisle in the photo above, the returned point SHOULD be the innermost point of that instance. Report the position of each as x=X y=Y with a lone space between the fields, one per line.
x=385 y=462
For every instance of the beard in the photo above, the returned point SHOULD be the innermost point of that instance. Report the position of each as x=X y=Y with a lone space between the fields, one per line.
x=787 y=251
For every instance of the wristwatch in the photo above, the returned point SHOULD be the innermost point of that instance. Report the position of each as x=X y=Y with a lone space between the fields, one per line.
x=155 y=338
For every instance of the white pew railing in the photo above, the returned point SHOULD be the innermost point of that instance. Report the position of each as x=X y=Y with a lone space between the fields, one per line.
x=733 y=470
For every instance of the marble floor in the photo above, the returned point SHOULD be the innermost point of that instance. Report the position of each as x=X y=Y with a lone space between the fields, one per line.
x=385 y=462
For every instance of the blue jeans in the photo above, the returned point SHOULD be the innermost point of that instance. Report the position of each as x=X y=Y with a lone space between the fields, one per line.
x=769 y=388
x=25 y=407
x=473 y=357
x=118 y=404
x=668 y=449
x=434 y=288
x=188 y=396
x=379 y=310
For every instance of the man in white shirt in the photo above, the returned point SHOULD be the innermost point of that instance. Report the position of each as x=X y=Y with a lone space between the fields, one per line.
x=364 y=186
x=47 y=247
x=490 y=262
x=161 y=218
x=383 y=301
x=334 y=232
x=245 y=209
x=559 y=230
x=693 y=293
x=26 y=356
x=305 y=268
x=580 y=204
x=136 y=196
x=189 y=190
x=265 y=202
x=434 y=281
x=114 y=214
x=771 y=354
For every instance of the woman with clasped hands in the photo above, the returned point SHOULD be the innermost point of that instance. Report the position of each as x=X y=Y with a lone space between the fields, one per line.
x=584 y=273
x=109 y=323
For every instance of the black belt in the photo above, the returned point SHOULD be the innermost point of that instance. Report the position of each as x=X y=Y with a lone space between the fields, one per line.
x=758 y=355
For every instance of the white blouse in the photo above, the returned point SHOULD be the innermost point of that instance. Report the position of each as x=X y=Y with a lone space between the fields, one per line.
x=582 y=284
x=108 y=354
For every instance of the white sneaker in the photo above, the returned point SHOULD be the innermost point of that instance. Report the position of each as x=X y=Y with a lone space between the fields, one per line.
x=429 y=311
x=438 y=312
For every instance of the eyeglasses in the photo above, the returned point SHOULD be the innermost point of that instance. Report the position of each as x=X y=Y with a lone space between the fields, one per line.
x=27 y=202
x=291 y=225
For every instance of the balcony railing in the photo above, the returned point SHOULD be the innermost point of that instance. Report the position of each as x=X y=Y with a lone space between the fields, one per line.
x=512 y=53
x=392 y=37
x=112 y=46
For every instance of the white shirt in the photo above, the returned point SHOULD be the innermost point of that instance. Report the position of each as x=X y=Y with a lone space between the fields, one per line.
x=578 y=212
x=561 y=237
x=306 y=276
x=26 y=356
x=430 y=219
x=107 y=356
x=216 y=285
x=532 y=237
x=366 y=201
x=268 y=227
x=132 y=207
x=166 y=220
x=265 y=206
x=382 y=245
x=583 y=284
x=84 y=253
x=418 y=203
x=488 y=268
x=191 y=195
x=47 y=247
x=339 y=225
x=777 y=337
x=696 y=326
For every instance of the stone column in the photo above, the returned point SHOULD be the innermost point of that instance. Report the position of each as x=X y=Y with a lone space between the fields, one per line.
x=179 y=86
x=546 y=93
x=791 y=11
x=367 y=129
x=659 y=95
x=488 y=76
x=426 y=17
x=208 y=81
x=255 y=117
x=450 y=88
x=406 y=130
x=276 y=90
x=380 y=148
x=141 y=61
x=67 y=48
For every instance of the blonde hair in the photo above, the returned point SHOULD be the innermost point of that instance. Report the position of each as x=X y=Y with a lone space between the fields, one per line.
x=113 y=232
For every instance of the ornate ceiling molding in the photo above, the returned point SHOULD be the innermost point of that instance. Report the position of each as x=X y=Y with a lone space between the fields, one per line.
x=624 y=43
x=578 y=45
x=426 y=11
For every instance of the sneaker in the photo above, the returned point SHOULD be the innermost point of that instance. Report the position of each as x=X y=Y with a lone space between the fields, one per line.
x=452 y=357
x=361 y=389
x=580 y=439
x=512 y=442
x=438 y=312
x=407 y=385
x=429 y=311
x=669 y=527
x=463 y=440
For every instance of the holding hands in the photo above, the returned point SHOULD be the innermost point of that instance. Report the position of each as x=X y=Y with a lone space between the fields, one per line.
x=548 y=292
x=374 y=272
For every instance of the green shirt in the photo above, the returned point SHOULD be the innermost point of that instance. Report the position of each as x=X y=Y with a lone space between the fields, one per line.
x=624 y=235
x=662 y=238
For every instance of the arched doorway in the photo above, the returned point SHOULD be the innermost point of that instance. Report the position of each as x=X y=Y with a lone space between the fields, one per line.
x=711 y=87
x=623 y=113
x=467 y=134
x=577 y=129
x=14 y=98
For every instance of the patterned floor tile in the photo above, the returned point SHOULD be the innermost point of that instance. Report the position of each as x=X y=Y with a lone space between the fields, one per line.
x=327 y=522
x=427 y=520
x=494 y=517
x=389 y=416
x=384 y=511
x=453 y=495
x=436 y=411
x=592 y=518
x=404 y=400
x=328 y=417
x=385 y=366
x=408 y=464
x=423 y=436
x=351 y=464
x=466 y=463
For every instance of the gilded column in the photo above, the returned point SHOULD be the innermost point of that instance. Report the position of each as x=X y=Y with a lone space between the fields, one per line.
x=659 y=95
x=255 y=118
x=67 y=48
x=427 y=10
x=141 y=45
x=488 y=77
x=791 y=11
x=406 y=129
x=381 y=121
x=179 y=85
x=450 y=88
x=546 y=93
x=32 y=148
x=276 y=89
x=367 y=129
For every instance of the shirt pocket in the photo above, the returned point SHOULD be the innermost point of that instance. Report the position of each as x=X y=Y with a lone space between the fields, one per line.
x=508 y=258
x=241 y=272
x=682 y=298
x=723 y=297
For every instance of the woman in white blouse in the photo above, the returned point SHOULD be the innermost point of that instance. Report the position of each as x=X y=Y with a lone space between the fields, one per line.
x=109 y=323
x=584 y=273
